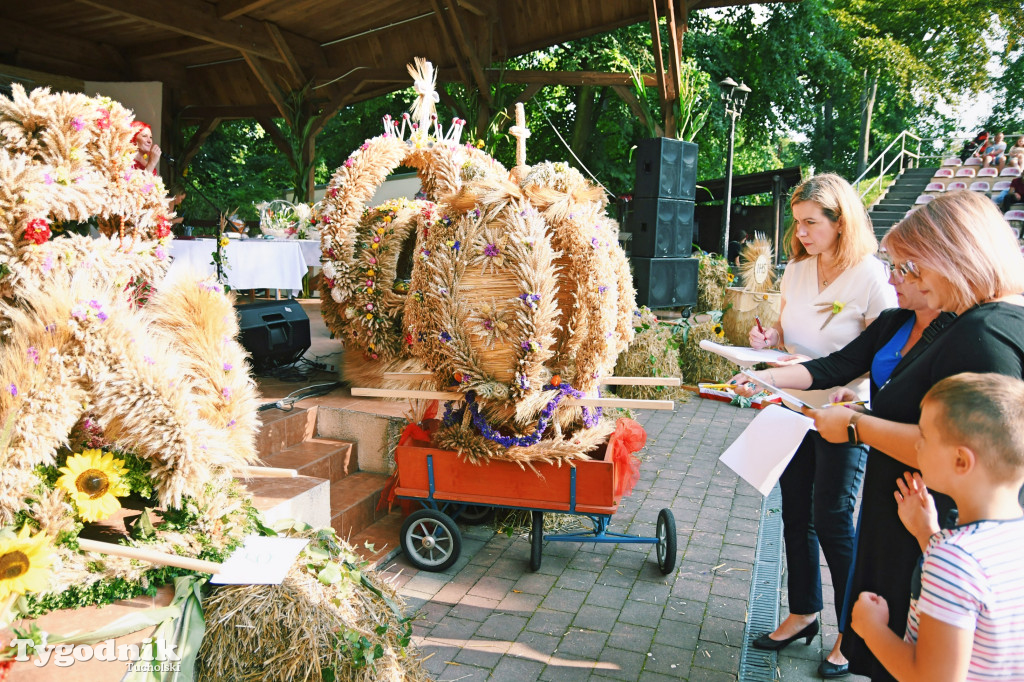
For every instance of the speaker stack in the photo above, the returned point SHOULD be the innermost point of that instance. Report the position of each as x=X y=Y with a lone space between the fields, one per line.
x=661 y=223
x=275 y=333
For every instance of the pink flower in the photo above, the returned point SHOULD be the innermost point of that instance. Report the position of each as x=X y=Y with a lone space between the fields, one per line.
x=226 y=392
x=33 y=355
x=348 y=162
x=228 y=367
x=77 y=123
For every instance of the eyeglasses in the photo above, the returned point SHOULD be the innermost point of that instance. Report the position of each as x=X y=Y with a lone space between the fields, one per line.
x=907 y=269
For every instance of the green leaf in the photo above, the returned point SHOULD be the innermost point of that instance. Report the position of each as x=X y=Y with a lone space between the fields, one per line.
x=330 y=574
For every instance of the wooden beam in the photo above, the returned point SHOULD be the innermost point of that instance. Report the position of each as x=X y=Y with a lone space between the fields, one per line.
x=279 y=140
x=206 y=127
x=199 y=113
x=600 y=78
x=531 y=90
x=31 y=78
x=199 y=19
x=674 y=56
x=267 y=81
x=629 y=97
x=294 y=69
x=449 y=42
x=469 y=52
x=17 y=35
x=161 y=49
x=482 y=8
x=659 y=64
x=340 y=99
x=231 y=9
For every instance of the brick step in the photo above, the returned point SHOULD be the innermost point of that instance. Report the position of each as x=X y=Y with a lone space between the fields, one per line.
x=282 y=430
x=317 y=457
x=382 y=536
x=354 y=502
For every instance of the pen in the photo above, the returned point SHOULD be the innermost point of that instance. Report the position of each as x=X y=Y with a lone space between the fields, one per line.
x=757 y=320
x=847 y=403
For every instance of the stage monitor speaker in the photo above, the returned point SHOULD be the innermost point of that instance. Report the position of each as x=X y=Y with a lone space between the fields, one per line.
x=274 y=332
x=666 y=168
x=665 y=282
x=661 y=228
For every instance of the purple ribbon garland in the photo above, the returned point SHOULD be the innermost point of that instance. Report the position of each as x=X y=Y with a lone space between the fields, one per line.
x=451 y=415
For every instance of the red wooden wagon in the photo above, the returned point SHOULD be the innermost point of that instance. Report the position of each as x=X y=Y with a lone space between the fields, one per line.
x=447 y=487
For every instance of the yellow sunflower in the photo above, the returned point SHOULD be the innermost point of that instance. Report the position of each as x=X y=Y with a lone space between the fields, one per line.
x=24 y=563
x=93 y=482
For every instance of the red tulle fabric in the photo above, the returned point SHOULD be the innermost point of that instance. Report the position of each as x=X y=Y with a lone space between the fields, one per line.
x=410 y=433
x=629 y=437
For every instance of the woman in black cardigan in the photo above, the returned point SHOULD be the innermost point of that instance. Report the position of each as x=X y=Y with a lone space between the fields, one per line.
x=887 y=346
x=962 y=256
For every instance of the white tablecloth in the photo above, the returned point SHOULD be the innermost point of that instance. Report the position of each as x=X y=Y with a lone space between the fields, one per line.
x=252 y=263
x=310 y=251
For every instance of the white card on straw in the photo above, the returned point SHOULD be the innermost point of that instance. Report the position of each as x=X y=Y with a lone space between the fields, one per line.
x=260 y=561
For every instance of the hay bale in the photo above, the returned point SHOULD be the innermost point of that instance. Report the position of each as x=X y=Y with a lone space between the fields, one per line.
x=305 y=629
x=698 y=365
x=742 y=307
x=712 y=279
x=654 y=352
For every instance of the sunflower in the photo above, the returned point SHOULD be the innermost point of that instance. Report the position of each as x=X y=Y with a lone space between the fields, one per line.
x=24 y=563
x=719 y=331
x=93 y=481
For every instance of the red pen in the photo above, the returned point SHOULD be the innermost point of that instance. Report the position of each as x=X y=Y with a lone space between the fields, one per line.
x=759 y=327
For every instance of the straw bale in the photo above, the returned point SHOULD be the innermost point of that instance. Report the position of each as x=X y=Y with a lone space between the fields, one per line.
x=697 y=364
x=712 y=279
x=654 y=352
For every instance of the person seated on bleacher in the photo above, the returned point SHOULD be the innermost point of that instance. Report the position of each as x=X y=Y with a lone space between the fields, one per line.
x=1015 y=154
x=971 y=146
x=1012 y=195
x=994 y=154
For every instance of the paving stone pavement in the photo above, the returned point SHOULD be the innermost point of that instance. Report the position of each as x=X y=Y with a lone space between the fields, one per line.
x=605 y=611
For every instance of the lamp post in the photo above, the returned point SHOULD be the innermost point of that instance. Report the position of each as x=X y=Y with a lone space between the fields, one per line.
x=735 y=97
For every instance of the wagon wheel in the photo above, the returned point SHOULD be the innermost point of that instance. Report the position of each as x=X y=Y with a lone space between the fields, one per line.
x=536 y=540
x=666 y=548
x=476 y=514
x=431 y=540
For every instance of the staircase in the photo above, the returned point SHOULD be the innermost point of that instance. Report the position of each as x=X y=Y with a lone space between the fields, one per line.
x=329 y=490
x=894 y=203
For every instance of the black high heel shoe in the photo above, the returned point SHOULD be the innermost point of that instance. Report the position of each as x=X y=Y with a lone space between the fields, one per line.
x=766 y=642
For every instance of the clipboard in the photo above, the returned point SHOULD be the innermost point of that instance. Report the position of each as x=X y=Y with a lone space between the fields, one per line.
x=788 y=399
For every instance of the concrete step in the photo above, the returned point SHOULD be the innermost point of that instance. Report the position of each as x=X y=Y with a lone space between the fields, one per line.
x=374 y=434
x=302 y=498
x=281 y=430
x=354 y=502
x=317 y=457
x=379 y=542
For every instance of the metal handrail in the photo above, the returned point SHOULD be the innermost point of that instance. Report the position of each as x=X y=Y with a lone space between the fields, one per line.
x=911 y=158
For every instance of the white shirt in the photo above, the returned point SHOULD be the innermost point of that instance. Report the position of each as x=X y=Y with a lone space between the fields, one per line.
x=862 y=290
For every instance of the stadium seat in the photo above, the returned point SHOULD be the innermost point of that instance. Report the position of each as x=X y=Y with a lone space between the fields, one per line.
x=953 y=186
x=952 y=161
x=1014 y=216
x=924 y=199
x=1001 y=185
x=972 y=161
x=988 y=173
x=1009 y=172
x=965 y=172
x=935 y=187
x=943 y=173
x=980 y=186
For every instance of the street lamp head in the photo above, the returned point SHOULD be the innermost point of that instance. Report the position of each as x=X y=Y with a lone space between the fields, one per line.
x=741 y=95
x=728 y=85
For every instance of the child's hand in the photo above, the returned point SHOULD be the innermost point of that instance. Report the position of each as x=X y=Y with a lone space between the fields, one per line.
x=916 y=507
x=869 y=611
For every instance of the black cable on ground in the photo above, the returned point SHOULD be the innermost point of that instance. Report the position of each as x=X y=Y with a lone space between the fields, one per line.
x=288 y=403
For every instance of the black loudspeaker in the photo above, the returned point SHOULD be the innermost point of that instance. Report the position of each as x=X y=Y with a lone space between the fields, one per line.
x=666 y=168
x=661 y=228
x=665 y=282
x=274 y=332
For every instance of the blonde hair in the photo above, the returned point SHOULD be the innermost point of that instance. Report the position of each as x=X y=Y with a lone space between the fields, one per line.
x=963 y=237
x=840 y=204
x=984 y=412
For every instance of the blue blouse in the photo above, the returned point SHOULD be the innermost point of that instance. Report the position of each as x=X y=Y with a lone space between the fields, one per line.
x=889 y=355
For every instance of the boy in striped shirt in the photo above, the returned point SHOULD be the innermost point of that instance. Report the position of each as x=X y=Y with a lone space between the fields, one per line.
x=966 y=619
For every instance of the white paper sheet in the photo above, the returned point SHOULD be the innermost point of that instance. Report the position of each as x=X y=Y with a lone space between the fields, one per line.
x=260 y=561
x=743 y=356
x=762 y=451
x=789 y=399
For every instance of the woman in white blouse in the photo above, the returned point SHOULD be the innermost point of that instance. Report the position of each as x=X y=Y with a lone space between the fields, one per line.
x=833 y=288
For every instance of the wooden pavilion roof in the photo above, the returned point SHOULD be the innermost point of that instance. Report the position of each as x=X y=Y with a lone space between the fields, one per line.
x=237 y=58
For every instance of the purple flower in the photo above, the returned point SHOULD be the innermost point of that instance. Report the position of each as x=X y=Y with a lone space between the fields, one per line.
x=446 y=337
x=456 y=246
x=33 y=355
x=149 y=360
x=77 y=123
x=148 y=187
x=47 y=178
x=601 y=289
x=492 y=250
x=228 y=367
x=226 y=392
x=13 y=389
x=594 y=242
x=488 y=325
x=231 y=423
x=79 y=313
x=101 y=316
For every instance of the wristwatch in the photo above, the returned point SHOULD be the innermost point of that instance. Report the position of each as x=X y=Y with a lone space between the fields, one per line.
x=851 y=428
